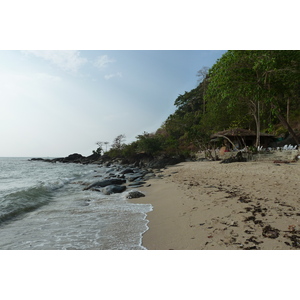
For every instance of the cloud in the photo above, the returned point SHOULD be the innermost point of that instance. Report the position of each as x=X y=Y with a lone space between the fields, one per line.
x=109 y=76
x=67 y=60
x=102 y=61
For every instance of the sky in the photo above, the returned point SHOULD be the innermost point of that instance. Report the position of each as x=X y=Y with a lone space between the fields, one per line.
x=55 y=103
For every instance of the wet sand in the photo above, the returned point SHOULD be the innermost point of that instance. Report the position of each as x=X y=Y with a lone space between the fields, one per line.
x=208 y=205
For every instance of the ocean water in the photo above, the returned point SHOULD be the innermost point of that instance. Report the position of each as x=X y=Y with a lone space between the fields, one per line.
x=43 y=206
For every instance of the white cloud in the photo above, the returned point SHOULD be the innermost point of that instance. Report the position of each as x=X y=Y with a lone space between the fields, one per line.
x=102 y=61
x=67 y=60
x=109 y=76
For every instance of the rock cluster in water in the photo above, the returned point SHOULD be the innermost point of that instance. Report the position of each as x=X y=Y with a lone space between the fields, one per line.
x=141 y=160
x=120 y=176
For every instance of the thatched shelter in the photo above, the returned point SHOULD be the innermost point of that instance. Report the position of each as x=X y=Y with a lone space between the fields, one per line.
x=242 y=137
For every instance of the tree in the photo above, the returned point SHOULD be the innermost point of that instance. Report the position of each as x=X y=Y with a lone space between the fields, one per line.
x=203 y=80
x=280 y=78
x=118 y=142
x=150 y=143
x=100 y=148
x=106 y=143
x=258 y=80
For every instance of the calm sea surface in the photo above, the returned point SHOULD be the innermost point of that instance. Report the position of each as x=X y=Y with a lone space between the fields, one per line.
x=43 y=206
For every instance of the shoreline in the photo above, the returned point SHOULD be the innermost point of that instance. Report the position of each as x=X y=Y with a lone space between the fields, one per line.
x=213 y=206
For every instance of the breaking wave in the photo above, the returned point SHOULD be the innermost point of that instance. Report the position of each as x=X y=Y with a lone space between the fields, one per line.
x=17 y=203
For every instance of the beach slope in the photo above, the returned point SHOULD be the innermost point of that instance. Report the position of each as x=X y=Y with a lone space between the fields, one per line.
x=208 y=205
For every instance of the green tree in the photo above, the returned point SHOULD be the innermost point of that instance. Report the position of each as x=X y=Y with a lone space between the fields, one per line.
x=257 y=81
x=149 y=143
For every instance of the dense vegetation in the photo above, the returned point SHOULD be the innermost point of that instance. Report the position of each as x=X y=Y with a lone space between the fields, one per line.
x=256 y=90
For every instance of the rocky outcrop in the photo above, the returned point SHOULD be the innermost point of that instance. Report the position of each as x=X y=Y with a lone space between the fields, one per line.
x=113 y=189
x=141 y=160
x=162 y=162
x=72 y=158
x=105 y=183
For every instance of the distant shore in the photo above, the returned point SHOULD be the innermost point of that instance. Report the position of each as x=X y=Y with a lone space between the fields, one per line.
x=208 y=205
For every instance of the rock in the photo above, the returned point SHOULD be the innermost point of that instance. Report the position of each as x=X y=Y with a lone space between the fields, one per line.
x=160 y=163
x=136 y=183
x=105 y=183
x=113 y=189
x=149 y=176
x=37 y=158
x=126 y=171
x=73 y=158
x=132 y=177
x=137 y=186
x=91 y=159
x=135 y=194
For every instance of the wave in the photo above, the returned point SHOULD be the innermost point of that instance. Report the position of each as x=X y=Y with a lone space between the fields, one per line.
x=24 y=201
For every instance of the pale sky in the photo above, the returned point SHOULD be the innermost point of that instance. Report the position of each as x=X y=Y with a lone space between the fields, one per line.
x=54 y=103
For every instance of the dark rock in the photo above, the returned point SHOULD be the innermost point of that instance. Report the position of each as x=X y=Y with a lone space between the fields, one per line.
x=90 y=159
x=134 y=176
x=137 y=186
x=113 y=189
x=126 y=171
x=160 y=163
x=149 y=176
x=73 y=158
x=136 y=183
x=37 y=158
x=135 y=194
x=105 y=183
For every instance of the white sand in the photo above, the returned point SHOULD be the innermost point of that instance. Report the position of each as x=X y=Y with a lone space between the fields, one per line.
x=205 y=205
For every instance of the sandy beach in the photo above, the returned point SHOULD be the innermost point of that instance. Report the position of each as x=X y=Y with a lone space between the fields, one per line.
x=213 y=206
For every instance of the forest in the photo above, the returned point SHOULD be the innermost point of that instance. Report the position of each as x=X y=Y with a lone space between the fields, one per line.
x=256 y=90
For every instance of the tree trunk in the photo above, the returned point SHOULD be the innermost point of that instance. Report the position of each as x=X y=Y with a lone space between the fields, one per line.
x=288 y=110
x=286 y=125
x=258 y=126
x=228 y=139
x=255 y=113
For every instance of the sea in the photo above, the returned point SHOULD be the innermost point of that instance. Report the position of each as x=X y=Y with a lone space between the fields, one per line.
x=43 y=207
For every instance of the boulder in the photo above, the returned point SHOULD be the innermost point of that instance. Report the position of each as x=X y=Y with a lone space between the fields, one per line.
x=162 y=162
x=105 y=183
x=136 y=183
x=149 y=176
x=135 y=194
x=127 y=171
x=113 y=189
x=134 y=176
x=73 y=158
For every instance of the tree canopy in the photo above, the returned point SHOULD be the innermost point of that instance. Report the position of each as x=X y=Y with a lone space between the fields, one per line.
x=250 y=89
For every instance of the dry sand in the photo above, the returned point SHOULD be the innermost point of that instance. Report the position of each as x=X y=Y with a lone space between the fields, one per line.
x=208 y=205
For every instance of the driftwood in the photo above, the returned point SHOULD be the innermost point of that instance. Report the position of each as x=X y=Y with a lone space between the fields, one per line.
x=228 y=139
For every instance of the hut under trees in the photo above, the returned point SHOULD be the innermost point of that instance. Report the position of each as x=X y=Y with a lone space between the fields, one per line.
x=239 y=138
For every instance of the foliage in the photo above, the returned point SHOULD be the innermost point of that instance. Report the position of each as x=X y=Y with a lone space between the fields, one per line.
x=243 y=89
x=253 y=83
x=149 y=143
